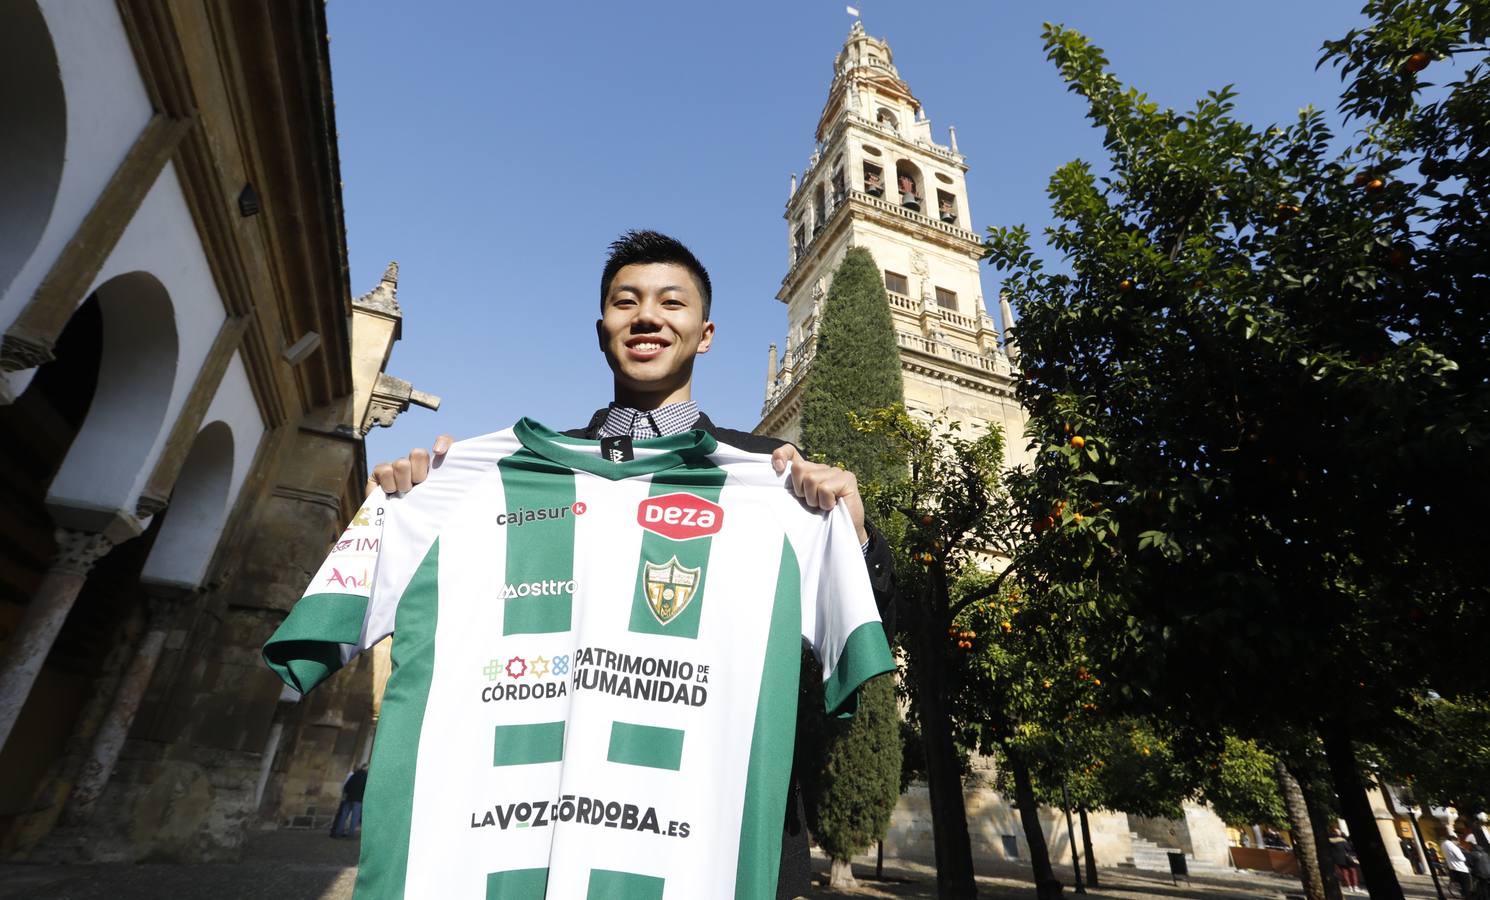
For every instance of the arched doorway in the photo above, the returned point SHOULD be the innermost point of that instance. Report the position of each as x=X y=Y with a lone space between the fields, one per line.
x=33 y=119
x=197 y=512
x=136 y=375
x=98 y=408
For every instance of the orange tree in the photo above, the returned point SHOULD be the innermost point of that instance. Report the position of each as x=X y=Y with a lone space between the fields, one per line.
x=1441 y=752
x=1097 y=761
x=1260 y=378
x=944 y=507
x=1022 y=676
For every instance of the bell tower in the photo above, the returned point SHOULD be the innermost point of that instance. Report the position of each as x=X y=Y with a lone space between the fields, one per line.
x=878 y=179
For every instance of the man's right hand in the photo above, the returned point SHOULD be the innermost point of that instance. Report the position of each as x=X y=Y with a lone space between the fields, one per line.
x=402 y=474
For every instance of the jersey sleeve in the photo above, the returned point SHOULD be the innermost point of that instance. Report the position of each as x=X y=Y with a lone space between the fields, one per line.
x=341 y=612
x=839 y=616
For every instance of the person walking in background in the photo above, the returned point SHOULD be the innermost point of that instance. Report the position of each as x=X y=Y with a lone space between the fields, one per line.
x=349 y=814
x=1410 y=850
x=1456 y=863
x=1477 y=858
x=1343 y=855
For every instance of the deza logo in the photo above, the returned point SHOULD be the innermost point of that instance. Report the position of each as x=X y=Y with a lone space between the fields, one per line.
x=680 y=516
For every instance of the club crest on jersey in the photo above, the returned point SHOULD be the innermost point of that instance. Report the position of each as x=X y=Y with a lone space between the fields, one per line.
x=670 y=588
x=680 y=516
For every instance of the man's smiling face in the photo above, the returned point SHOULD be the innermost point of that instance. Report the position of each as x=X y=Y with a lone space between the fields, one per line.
x=651 y=327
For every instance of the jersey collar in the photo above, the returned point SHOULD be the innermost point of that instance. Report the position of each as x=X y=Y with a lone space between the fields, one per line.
x=578 y=453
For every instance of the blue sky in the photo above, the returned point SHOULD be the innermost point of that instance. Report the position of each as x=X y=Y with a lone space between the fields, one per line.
x=494 y=149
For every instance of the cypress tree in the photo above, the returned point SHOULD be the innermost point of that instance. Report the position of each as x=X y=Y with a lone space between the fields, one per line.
x=857 y=368
x=852 y=788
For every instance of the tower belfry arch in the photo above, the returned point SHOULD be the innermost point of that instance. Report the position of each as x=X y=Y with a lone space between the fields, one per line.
x=878 y=179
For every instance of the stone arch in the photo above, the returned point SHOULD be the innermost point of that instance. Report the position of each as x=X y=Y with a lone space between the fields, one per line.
x=908 y=174
x=33 y=118
x=137 y=370
x=197 y=512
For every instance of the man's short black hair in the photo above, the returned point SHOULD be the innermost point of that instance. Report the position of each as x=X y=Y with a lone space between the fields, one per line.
x=642 y=247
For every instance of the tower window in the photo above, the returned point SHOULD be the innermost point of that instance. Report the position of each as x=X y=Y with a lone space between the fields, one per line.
x=887 y=119
x=908 y=181
x=946 y=207
x=838 y=188
x=874 y=180
x=896 y=283
x=799 y=242
x=946 y=299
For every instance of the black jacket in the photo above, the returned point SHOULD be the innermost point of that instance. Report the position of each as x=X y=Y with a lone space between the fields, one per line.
x=796 y=863
x=356 y=785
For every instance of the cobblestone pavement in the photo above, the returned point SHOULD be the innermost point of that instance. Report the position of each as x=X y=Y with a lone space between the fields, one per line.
x=309 y=865
x=912 y=881
x=280 y=865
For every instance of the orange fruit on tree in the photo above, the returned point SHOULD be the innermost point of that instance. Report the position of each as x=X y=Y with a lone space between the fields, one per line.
x=1125 y=285
x=1417 y=62
x=1375 y=185
x=1078 y=441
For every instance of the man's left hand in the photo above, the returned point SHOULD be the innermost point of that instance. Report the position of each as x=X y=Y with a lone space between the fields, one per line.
x=821 y=486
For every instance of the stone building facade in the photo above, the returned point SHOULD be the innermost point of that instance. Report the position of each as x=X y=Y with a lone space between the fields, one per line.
x=878 y=179
x=185 y=381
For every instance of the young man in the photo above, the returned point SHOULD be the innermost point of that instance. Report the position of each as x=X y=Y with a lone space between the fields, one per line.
x=655 y=303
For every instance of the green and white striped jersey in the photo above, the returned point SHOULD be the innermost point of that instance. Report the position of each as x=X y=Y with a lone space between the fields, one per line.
x=595 y=666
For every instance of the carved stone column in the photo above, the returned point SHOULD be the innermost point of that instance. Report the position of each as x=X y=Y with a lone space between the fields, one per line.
x=77 y=551
x=114 y=730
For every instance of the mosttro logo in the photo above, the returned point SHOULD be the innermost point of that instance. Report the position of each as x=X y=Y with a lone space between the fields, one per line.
x=580 y=810
x=518 y=517
x=550 y=588
x=680 y=517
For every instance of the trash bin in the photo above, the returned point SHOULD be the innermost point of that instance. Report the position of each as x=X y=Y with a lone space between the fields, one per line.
x=1177 y=867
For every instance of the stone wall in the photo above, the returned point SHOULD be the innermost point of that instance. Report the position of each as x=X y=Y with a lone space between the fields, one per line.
x=1208 y=840
x=994 y=829
x=1164 y=832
